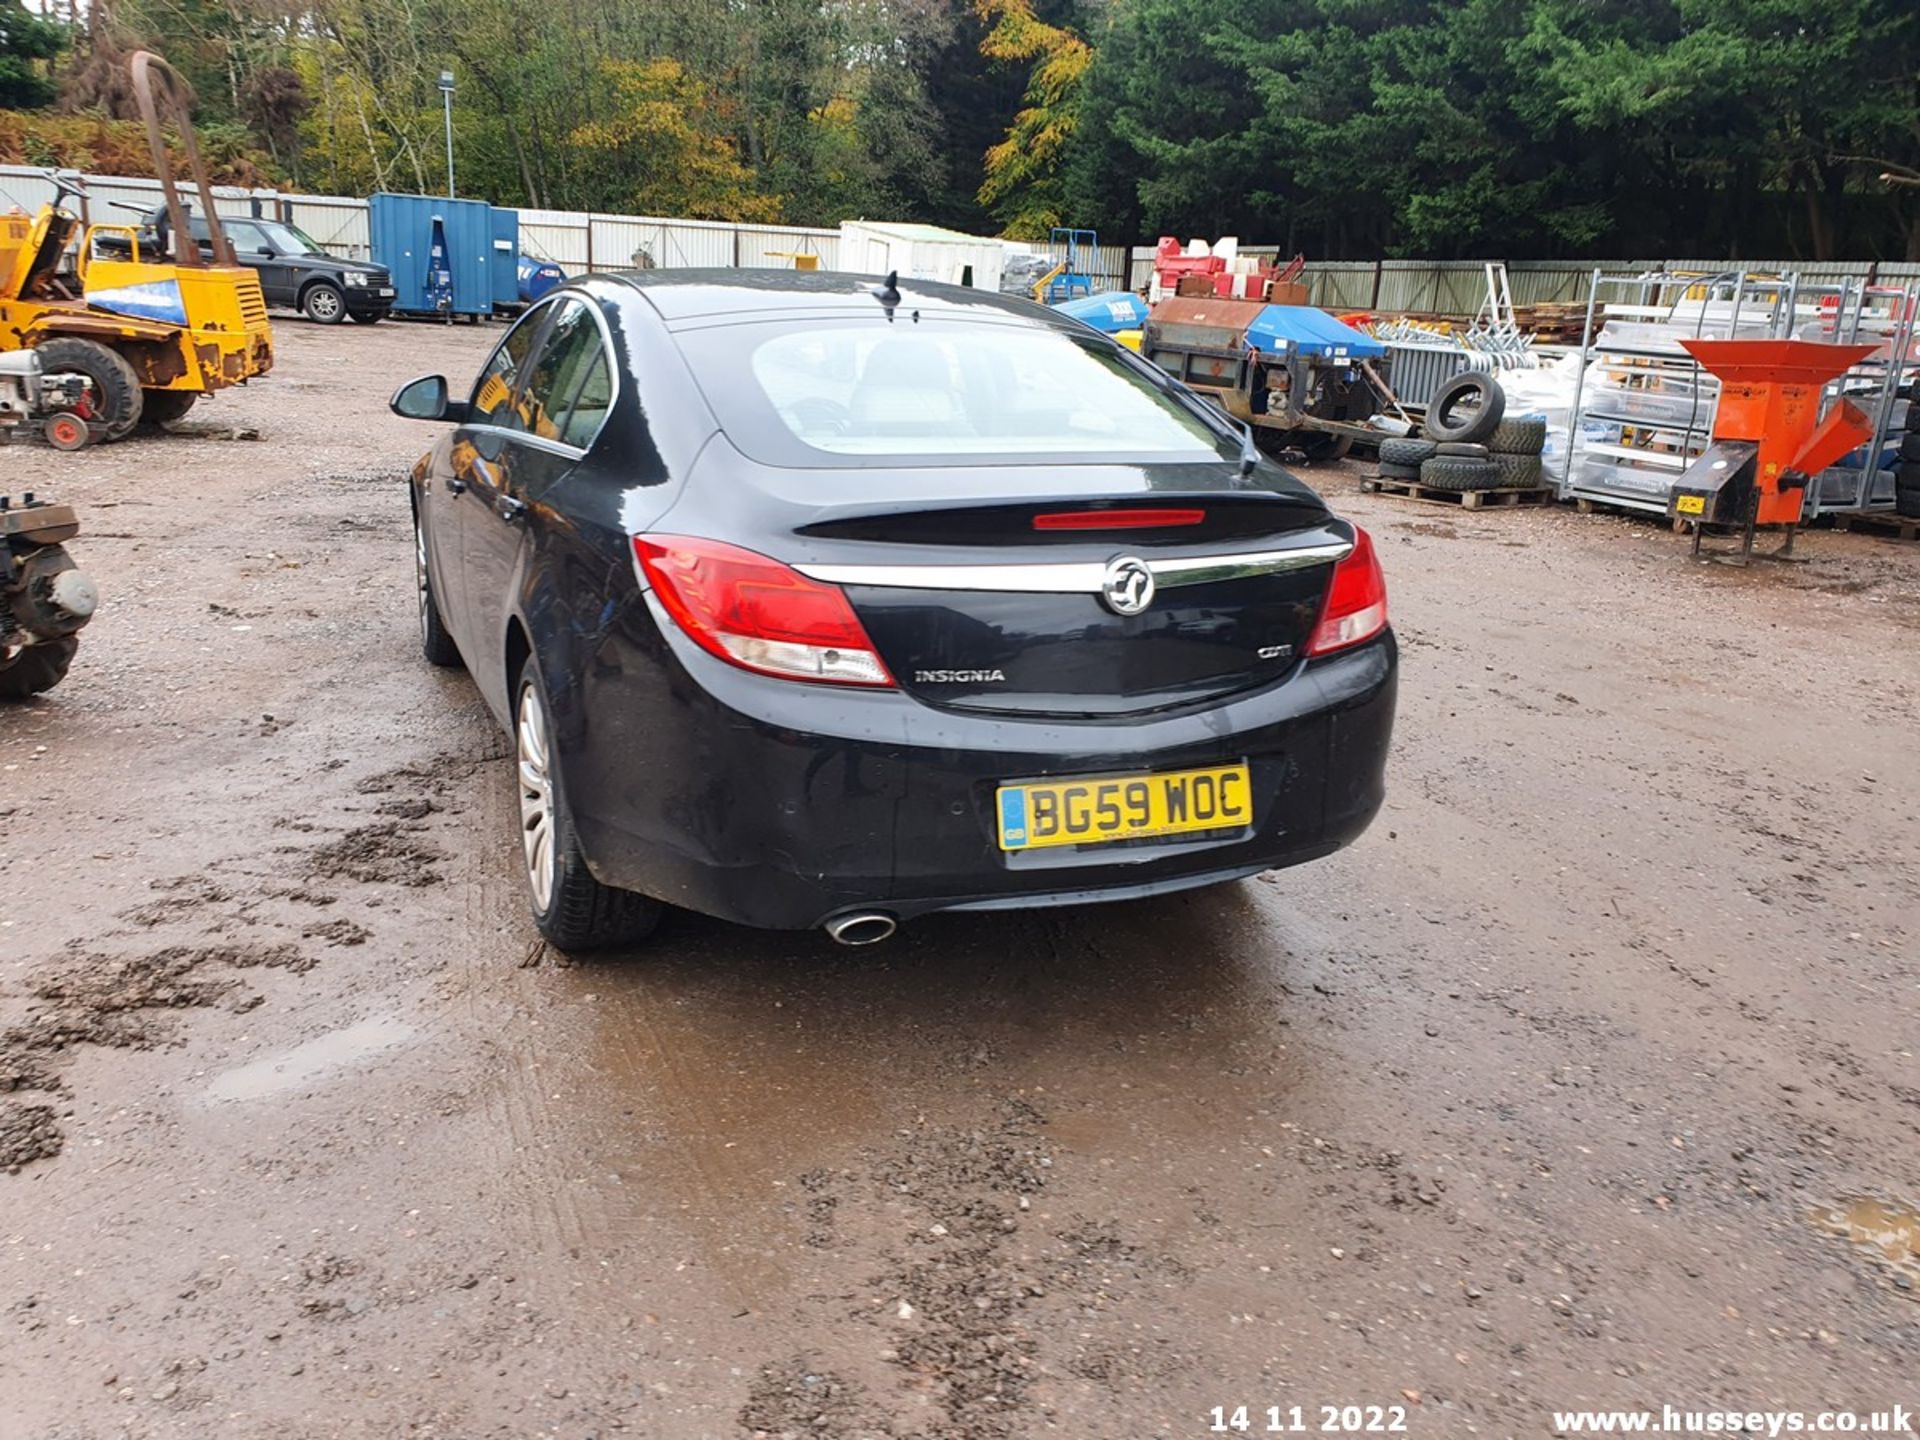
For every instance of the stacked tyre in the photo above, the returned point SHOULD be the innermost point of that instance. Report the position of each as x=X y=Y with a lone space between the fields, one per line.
x=1402 y=459
x=1906 y=475
x=1515 y=447
x=1462 y=420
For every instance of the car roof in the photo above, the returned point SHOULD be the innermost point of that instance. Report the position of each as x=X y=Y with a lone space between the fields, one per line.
x=694 y=294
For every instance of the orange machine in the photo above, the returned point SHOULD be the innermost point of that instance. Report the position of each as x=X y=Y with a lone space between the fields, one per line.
x=1768 y=437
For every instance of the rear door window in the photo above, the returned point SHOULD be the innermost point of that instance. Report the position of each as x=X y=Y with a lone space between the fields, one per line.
x=245 y=237
x=569 y=385
x=494 y=390
x=590 y=402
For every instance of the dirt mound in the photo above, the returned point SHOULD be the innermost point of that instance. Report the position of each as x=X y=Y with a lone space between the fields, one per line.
x=22 y=1071
x=337 y=932
x=88 y=997
x=27 y=1133
x=179 y=898
x=385 y=854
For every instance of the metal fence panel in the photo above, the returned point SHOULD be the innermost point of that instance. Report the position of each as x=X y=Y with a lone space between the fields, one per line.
x=557 y=235
x=23 y=187
x=670 y=244
x=774 y=246
x=1340 y=285
x=110 y=196
x=1418 y=371
x=1110 y=266
x=1545 y=283
x=337 y=222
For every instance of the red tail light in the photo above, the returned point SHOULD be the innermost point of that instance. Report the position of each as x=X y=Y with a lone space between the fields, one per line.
x=1116 y=519
x=1356 y=600
x=757 y=613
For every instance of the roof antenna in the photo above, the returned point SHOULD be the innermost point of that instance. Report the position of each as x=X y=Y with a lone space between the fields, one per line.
x=1249 y=452
x=888 y=294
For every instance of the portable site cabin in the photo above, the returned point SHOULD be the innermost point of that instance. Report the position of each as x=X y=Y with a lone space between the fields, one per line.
x=447 y=257
x=920 y=252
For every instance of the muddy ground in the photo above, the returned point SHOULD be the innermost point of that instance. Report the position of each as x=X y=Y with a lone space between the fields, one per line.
x=1532 y=1099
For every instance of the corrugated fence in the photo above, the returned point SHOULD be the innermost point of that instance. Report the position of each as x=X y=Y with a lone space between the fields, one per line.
x=1459 y=287
x=583 y=242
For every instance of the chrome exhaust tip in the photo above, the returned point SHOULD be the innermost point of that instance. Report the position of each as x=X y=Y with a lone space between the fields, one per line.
x=867 y=927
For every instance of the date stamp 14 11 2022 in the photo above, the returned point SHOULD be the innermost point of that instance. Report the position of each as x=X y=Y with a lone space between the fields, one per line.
x=1308 y=1419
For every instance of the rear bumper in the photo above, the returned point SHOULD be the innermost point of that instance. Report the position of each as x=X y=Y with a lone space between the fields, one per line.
x=781 y=806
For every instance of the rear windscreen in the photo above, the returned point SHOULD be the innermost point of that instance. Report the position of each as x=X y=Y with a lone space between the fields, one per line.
x=931 y=389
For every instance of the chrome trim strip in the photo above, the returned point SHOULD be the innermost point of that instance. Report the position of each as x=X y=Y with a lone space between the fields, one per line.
x=1205 y=569
x=1084 y=577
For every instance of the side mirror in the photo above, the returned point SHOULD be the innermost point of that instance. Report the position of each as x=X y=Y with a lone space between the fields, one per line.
x=426 y=399
x=266 y=252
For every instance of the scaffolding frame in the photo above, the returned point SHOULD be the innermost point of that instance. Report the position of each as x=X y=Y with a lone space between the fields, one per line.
x=1775 y=303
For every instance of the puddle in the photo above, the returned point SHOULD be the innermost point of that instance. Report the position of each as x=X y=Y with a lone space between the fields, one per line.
x=1890 y=1231
x=292 y=1069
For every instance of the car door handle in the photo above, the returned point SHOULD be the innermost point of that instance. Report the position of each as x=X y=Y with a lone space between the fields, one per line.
x=510 y=509
x=456 y=485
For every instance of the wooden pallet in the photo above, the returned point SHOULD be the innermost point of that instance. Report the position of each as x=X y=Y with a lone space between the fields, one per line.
x=1878 y=522
x=1465 y=499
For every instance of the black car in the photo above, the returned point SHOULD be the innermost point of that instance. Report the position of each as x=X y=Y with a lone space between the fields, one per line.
x=811 y=601
x=296 y=274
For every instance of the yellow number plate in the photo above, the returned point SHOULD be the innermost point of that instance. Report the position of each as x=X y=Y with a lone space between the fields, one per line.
x=1124 y=807
x=1690 y=504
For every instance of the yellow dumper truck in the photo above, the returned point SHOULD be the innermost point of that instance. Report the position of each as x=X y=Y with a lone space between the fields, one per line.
x=148 y=318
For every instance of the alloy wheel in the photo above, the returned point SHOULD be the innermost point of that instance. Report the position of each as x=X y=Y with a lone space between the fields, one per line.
x=536 y=796
x=420 y=577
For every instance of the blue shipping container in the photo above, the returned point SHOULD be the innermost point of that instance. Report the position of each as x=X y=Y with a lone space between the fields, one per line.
x=402 y=228
x=506 y=258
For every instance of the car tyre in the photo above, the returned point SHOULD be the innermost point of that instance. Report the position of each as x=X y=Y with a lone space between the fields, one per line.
x=435 y=643
x=322 y=303
x=1391 y=471
x=573 y=910
x=1517 y=472
x=1910 y=448
x=1519 y=435
x=1445 y=473
x=1408 y=451
x=116 y=388
x=37 y=668
x=1449 y=420
x=1906 y=503
x=1449 y=450
x=1322 y=448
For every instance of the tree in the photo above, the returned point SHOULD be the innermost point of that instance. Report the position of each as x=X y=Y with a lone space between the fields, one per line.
x=27 y=44
x=274 y=101
x=1488 y=127
x=1764 y=99
x=665 y=143
x=1024 y=184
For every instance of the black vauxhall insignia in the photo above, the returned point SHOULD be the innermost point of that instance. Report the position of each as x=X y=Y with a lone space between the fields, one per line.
x=815 y=602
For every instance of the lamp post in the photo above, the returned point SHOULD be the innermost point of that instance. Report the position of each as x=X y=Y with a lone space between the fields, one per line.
x=446 y=94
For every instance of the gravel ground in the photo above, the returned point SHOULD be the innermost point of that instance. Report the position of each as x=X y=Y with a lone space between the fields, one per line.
x=1547 y=1094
